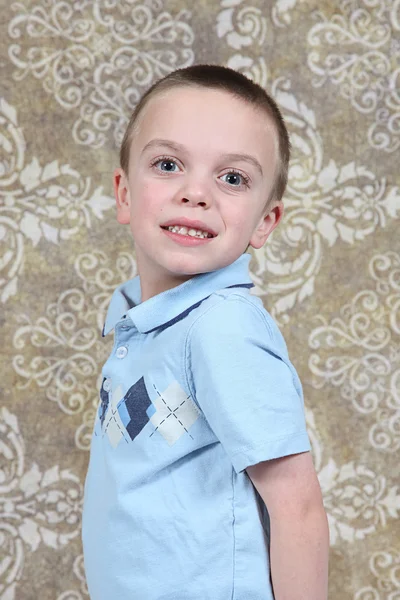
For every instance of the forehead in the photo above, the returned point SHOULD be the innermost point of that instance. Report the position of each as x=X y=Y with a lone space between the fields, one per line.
x=209 y=120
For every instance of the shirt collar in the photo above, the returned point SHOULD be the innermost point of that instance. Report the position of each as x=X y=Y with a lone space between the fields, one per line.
x=170 y=305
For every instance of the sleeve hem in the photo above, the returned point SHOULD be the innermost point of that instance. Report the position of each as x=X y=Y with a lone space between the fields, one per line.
x=277 y=448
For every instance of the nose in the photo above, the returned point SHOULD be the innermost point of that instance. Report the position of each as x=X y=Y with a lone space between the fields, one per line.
x=195 y=193
x=194 y=201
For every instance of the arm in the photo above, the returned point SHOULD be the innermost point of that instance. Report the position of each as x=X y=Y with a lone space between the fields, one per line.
x=299 y=529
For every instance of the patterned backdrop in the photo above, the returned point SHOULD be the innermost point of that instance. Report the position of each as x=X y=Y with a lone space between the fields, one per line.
x=71 y=73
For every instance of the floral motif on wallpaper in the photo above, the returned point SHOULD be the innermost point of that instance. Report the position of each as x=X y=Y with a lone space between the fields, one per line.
x=37 y=506
x=244 y=28
x=326 y=204
x=79 y=573
x=358 y=500
x=385 y=568
x=48 y=203
x=359 y=353
x=358 y=50
x=97 y=58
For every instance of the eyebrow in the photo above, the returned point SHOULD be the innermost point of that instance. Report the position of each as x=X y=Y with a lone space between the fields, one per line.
x=230 y=156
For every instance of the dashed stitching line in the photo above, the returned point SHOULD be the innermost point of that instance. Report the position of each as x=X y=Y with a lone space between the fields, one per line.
x=171 y=413
x=117 y=424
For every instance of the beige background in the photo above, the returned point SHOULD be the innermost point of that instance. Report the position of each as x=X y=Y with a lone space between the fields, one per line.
x=71 y=72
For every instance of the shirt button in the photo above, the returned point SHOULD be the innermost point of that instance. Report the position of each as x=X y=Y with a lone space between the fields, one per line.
x=107 y=385
x=122 y=351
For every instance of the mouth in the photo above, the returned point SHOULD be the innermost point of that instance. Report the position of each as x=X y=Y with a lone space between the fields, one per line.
x=187 y=232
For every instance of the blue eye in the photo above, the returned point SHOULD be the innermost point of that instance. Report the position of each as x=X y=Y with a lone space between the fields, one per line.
x=165 y=164
x=236 y=179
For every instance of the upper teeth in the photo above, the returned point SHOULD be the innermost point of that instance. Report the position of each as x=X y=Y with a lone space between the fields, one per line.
x=186 y=231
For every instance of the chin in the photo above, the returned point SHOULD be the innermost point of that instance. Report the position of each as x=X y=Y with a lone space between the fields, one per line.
x=188 y=268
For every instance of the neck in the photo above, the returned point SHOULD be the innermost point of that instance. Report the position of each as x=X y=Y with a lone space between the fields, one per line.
x=152 y=286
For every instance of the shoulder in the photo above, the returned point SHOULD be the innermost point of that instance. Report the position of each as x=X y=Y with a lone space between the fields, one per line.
x=235 y=341
x=234 y=314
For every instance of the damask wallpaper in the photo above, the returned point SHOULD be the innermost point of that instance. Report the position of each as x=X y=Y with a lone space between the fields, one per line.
x=71 y=73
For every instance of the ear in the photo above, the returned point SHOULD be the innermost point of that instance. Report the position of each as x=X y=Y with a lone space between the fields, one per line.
x=266 y=225
x=122 y=197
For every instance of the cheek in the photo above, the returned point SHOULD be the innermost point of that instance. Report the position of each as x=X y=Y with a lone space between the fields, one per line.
x=237 y=219
x=144 y=197
x=151 y=193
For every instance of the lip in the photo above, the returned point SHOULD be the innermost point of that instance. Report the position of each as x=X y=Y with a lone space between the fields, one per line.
x=186 y=240
x=190 y=224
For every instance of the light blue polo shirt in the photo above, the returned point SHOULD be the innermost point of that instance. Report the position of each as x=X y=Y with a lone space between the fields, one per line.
x=198 y=387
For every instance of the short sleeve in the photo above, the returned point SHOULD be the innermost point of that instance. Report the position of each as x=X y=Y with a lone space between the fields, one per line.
x=240 y=375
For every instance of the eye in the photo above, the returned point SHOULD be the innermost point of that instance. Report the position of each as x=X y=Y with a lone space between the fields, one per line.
x=165 y=164
x=236 y=179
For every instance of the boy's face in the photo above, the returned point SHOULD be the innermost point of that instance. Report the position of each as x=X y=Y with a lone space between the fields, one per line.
x=188 y=160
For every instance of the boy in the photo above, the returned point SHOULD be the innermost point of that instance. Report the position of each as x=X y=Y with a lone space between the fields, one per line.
x=201 y=422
